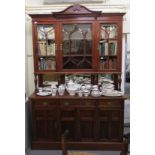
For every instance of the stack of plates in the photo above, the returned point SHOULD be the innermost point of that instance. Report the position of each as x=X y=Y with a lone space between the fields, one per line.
x=112 y=93
x=107 y=87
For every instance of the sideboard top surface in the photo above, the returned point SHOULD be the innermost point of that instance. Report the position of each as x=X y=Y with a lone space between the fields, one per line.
x=66 y=96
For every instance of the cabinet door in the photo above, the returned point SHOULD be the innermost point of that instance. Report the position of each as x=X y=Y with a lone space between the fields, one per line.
x=68 y=122
x=87 y=124
x=44 y=119
x=77 y=46
x=116 y=125
x=110 y=125
x=39 y=124
x=108 y=47
x=52 y=128
x=45 y=47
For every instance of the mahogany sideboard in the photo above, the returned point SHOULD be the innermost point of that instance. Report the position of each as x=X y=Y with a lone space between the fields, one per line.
x=77 y=40
x=92 y=122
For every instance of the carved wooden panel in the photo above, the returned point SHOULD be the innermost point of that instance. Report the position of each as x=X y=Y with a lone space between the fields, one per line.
x=77 y=10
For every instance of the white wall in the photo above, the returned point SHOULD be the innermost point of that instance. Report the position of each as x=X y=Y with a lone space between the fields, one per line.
x=34 y=2
x=40 y=2
x=33 y=6
x=29 y=69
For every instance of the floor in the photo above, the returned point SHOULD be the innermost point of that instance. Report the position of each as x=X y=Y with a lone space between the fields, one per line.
x=49 y=152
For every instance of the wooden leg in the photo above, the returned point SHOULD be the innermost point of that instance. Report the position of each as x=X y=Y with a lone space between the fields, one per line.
x=125 y=148
x=63 y=142
x=64 y=151
x=122 y=153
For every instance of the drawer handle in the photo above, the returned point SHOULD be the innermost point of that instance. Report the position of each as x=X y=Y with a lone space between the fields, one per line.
x=87 y=103
x=109 y=103
x=45 y=103
x=66 y=103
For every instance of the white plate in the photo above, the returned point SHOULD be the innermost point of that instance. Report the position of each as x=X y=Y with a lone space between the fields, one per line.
x=114 y=93
x=47 y=88
x=108 y=81
x=105 y=94
x=44 y=93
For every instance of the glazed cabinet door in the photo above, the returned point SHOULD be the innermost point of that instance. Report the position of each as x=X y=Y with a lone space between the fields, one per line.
x=109 y=46
x=77 y=46
x=45 y=46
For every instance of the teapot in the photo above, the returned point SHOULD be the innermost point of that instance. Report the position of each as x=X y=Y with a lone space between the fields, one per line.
x=88 y=86
x=70 y=84
x=53 y=86
x=95 y=92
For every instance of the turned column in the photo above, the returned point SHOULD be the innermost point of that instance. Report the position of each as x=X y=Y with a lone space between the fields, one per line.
x=119 y=82
x=36 y=82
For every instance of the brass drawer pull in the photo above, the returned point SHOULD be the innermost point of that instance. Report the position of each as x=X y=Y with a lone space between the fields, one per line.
x=66 y=103
x=109 y=103
x=87 y=103
x=44 y=103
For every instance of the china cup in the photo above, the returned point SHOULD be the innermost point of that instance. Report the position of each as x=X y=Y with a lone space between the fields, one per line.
x=54 y=91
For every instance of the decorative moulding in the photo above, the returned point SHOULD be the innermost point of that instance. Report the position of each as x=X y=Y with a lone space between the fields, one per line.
x=75 y=10
x=47 y=9
x=72 y=1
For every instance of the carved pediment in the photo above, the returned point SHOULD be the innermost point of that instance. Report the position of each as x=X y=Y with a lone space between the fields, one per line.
x=76 y=10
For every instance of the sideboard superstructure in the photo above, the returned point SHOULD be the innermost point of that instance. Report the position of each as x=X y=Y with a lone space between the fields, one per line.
x=77 y=41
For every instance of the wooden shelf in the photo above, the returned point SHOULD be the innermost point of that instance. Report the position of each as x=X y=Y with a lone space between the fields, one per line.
x=48 y=72
x=48 y=56
x=109 y=39
x=39 y=40
x=77 y=55
x=109 y=56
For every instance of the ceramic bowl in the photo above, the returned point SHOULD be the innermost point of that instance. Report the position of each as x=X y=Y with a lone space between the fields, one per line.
x=71 y=91
x=86 y=92
x=95 y=87
x=88 y=86
x=80 y=93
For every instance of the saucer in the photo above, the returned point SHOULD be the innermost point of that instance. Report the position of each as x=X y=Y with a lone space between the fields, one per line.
x=43 y=93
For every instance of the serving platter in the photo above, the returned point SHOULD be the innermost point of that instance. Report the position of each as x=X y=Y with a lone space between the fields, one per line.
x=43 y=93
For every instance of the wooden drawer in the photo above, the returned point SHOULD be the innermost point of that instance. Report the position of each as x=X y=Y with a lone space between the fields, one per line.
x=115 y=104
x=48 y=113
x=68 y=113
x=77 y=103
x=87 y=113
x=45 y=103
